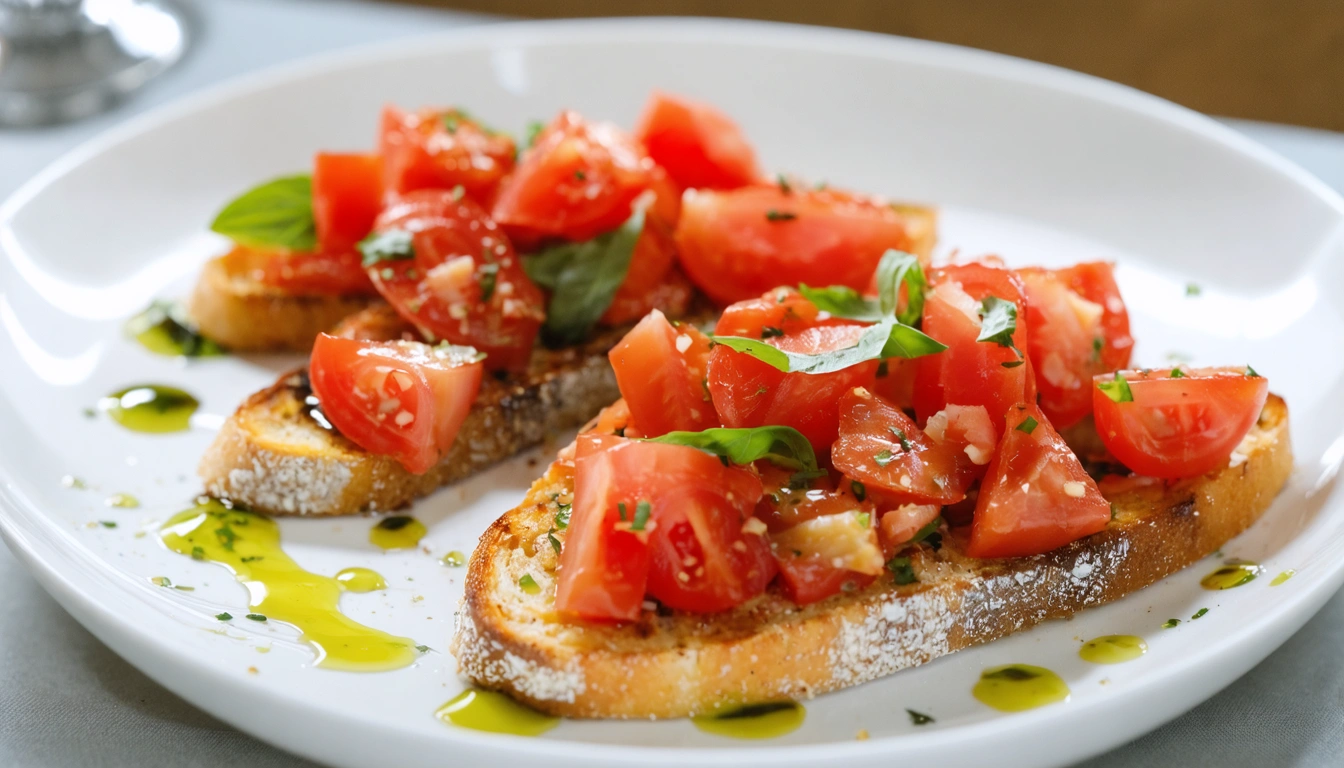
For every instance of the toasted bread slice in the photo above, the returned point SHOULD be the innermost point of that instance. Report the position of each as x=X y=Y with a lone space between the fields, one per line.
x=277 y=456
x=678 y=664
x=243 y=314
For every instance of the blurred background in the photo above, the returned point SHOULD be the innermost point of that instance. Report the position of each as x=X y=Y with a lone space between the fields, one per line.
x=1274 y=60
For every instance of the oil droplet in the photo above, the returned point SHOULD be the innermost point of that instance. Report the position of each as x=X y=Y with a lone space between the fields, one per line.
x=360 y=580
x=397 y=532
x=1282 y=577
x=150 y=408
x=122 y=501
x=248 y=544
x=1233 y=574
x=1019 y=687
x=766 y=720
x=454 y=559
x=1113 y=649
x=494 y=712
x=70 y=481
x=165 y=329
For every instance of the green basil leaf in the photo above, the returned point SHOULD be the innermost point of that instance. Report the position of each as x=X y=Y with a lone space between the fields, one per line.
x=277 y=214
x=842 y=301
x=1117 y=389
x=898 y=267
x=782 y=446
x=902 y=570
x=998 y=321
x=583 y=278
x=391 y=245
x=884 y=339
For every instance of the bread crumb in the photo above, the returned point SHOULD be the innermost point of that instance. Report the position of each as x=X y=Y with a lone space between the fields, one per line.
x=862 y=735
x=251 y=670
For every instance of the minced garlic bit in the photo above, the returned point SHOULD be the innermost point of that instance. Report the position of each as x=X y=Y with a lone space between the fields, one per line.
x=683 y=343
x=753 y=526
x=1075 y=489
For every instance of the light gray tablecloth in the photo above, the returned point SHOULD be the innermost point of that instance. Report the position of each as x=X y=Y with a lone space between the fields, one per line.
x=65 y=700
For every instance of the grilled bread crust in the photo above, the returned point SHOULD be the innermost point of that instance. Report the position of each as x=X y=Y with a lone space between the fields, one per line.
x=671 y=664
x=233 y=309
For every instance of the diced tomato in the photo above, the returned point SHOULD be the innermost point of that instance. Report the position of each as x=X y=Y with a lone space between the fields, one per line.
x=465 y=283
x=698 y=145
x=898 y=526
x=1095 y=281
x=896 y=382
x=402 y=399
x=652 y=281
x=818 y=557
x=1069 y=342
x=660 y=370
x=698 y=508
x=300 y=273
x=1036 y=496
x=881 y=447
x=440 y=149
x=1179 y=427
x=737 y=244
x=750 y=393
x=577 y=181
x=971 y=372
x=789 y=500
x=347 y=196
x=781 y=311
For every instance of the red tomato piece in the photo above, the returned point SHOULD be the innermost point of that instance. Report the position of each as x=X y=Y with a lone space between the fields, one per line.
x=698 y=145
x=881 y=447
x=1179 y=427
x=788 y=502
x=750 y=393
x=1036 y=497
x=898 y=526
x=971 y=372
x=781 y=311
x=819 y=557
x=440 y=149
x=1095 y=281
x=578 y=180
x=1066 y=345
x=697 y=508
x=300 y=273
x=896 y=382
x=402 y=399
x=968 y=431
x=738 y=244
x=660 y=370
x=465 y=284
x=347 y=196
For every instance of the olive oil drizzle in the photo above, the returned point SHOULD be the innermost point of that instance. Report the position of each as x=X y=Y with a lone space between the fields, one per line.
x=1282 y=577
x=1234 y=573
x=397 y=532
x=152 y=408
x=494 y=712
x=764 y=720
x=164 y=328
x=1019 y=687
x=248 y=545
x=1113 y=649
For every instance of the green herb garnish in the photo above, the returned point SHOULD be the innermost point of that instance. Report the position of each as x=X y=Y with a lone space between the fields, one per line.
x=1028 y=425
x=782 y=446
x=529 y=584
x=1117 y=389
x=1170 y=623
x=642 y=511
x=277 y=214
x=1199 y=613
x=902 y=570
x=919 y=718
x=255 y=617
x=486 y=276
x=1250 y=373
x=1193 y=289
x=226 y=616
x=391 y=245
x=860 y=492
x=902 y=438
x=773 y=215
x=884 y=458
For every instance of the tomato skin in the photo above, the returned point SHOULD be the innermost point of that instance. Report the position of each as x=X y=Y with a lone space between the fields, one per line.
x=750 y=393
x=898 y=526
x=698 y=145
x=806 y=580
x=786 y=504
x=926 y=472
x=660 y=371
x=420 y=152
x=1180 y=427
x=301 y=273
x=347 y=196
x=971 y=372
x=780 y=309
x=1095 y=281
x=402 y=399
x=1066 y=345
x=697 y=504
x=1036 y=496
x=442 y=289
x=738 y=244
x=577 y=181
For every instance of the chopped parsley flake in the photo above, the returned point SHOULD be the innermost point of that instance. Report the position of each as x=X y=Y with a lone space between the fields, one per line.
x=904 y=440
x=919 y=718
x=1170 y=623
x=255 y=617
x=773 y=215
x=1199 y=613
x=1193 y=289
x=226 y=616
x=529 y=584
x=1250 y=373
x=642 y=511
x=1028 y=425
x=884 y=458
x=1117 y=389
x=1177 y=373
x=902 y=571
x=860 y=492
x=784 y=186
x=555 y=543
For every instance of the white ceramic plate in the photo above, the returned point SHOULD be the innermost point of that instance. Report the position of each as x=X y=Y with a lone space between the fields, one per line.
x=1037 y=164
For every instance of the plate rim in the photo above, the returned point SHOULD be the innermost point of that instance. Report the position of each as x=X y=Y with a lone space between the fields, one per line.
x=36 y=544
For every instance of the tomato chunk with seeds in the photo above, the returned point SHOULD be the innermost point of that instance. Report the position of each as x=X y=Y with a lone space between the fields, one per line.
x=441 y=149
x=698 y=145
x=463 y=282
x=826 y=555
x=881 y=447
x=1036 y=496
x=402 y=399
x=738 y=244
x=347 y=196
x=660 y=370
x=1095 y=281
x=1178 y=426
